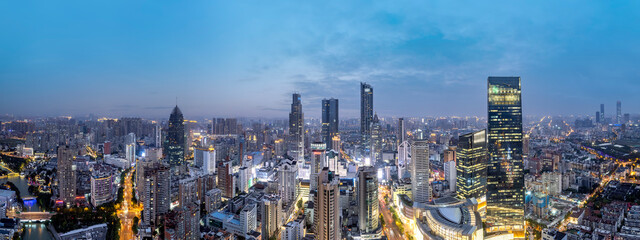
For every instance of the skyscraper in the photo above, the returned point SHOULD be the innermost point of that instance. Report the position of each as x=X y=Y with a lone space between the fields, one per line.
x=602 y=112
x=157 y=189
x=505 y=171
x=175 y=141
x=618 y=112
x=271 y=215
x=368 y=213
x=366 y=116
x=420 y=172
x=326 y=208
x=598 y=117
x=318 y=162
x=330 y=122
x=288 y=181
x=66 y=172
x=471 y=166
x=376 y=141
x=402 y=132
x=296 y=130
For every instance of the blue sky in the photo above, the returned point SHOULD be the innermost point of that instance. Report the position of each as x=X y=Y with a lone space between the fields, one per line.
x=245 y=58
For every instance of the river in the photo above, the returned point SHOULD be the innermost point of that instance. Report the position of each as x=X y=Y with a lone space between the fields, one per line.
x=32 y=231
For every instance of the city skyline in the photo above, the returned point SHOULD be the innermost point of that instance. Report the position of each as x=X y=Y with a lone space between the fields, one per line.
x=122 y=65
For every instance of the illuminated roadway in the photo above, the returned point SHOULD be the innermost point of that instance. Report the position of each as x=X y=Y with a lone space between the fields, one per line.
x=390 y=229
x=127 y=211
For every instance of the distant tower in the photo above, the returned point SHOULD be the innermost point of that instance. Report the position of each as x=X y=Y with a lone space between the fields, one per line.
x=618 y=112
x=366 y=116
x=368 y=200
x=175 y=141
x=420 y=171
x=376 y=140
x=158 y=133
x=602 y=112
x=330 y=122
x=402 y=132
x=66 y=175
x=296 y=130
x=505 y=168
x=598 y=117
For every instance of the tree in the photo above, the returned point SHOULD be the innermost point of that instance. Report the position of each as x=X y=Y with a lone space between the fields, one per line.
x=135 y=224
x=299 y=204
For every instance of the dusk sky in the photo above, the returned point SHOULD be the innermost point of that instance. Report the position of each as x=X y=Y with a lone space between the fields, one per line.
x=240 y=58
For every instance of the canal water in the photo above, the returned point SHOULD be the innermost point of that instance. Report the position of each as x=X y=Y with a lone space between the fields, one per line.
x=32 y=231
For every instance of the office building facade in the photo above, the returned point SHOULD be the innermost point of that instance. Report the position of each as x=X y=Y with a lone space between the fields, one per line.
x=505 y=170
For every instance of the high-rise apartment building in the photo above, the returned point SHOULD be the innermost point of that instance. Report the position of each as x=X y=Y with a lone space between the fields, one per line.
x=101 y=188
x=271 y=215
x=66 y=172
x=505 y=170
x=326 y=211
x=420 y=172
x=330 y=122
x=296 y=130
x=175 y=142
x=471 y=166
x=157 y=191
x=288 y=181
x=368 y=213
x=366 y=116
x=225 y=179
x=404 y=160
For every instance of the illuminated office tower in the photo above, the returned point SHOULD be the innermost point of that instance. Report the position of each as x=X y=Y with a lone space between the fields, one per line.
x=505 y=171
x=101 y=188
x=175 y=141
x=420 y=172
x=296 y=130
x=376 y=141
x=471 y=166
x=618 y=112
x=66 y=175
x=318 y=159
x=366 y=116
x=326 y=208
x=368 y=213
x=330 y=122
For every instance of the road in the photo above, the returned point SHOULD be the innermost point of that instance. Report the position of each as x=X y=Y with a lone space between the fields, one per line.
x=128 y=211
x=390 y=230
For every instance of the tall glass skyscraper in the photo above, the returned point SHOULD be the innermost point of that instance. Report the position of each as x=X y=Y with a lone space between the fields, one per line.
x=296 y=130
x=505 y=171
x=471 y=166
x=330 y=122
x=175 y=141
x=366 y=116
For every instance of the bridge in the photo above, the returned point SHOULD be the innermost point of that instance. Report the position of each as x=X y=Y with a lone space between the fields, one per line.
x=31 y=216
